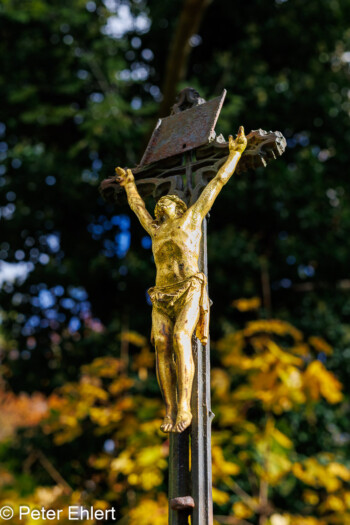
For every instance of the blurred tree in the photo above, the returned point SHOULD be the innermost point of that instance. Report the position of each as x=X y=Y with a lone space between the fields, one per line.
x=80 y=86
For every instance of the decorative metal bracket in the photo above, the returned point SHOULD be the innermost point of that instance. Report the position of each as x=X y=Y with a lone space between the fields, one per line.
x=167 y=176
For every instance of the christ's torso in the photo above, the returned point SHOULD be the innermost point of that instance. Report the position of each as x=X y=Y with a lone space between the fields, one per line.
x=176 y=251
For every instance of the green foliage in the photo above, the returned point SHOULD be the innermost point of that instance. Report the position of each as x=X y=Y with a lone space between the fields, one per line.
x=77 y=100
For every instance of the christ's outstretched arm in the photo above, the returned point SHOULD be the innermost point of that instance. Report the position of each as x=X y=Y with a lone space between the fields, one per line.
x=136 y=203
x=205 y=201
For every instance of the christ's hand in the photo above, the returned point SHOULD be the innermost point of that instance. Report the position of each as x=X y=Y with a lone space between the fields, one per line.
x=239 y=144
x=124 y=177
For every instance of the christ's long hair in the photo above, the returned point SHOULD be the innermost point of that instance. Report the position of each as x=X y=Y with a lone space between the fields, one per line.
x=180 y=206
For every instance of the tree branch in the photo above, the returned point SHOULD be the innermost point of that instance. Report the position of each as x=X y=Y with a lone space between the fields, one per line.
x=53 y=472
x=248 y=500
x=176 y=65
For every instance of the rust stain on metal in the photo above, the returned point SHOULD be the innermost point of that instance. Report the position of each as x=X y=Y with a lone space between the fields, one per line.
x=183 y=131
x=181 y=503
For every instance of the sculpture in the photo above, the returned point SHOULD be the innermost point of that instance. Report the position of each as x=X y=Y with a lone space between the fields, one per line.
x=179 y=297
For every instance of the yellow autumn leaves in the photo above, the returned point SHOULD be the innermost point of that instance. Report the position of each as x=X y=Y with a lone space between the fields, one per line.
x=281 y=377
x=270 y=371
x=267 y=383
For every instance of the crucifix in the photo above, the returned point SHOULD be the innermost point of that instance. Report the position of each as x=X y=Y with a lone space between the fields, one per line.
x=185 y=166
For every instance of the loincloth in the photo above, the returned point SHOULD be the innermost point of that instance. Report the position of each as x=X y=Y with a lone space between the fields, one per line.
x=172 y=298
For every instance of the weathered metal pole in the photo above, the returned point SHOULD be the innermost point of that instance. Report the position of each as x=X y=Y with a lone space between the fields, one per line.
x=201 y=474
x=195 y=484
x=179 y=476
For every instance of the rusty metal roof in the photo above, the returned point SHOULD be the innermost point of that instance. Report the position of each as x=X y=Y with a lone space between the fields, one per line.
x=183 y=131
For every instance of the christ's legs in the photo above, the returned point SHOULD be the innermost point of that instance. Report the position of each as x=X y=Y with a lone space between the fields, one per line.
x=163 y=334
x=185 y=324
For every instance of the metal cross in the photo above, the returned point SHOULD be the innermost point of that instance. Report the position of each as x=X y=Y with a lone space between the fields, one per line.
x=183 y=155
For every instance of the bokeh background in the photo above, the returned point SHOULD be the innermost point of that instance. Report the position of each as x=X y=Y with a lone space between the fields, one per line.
x=81 y=86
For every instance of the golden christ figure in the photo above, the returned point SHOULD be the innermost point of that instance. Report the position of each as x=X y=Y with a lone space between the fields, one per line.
x=179 y=298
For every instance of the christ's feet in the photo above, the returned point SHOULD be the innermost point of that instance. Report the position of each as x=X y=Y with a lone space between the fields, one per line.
x=168 y=424
x=183 y=420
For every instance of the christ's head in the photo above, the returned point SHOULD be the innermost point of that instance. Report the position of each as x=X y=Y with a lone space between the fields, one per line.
x=169 y=207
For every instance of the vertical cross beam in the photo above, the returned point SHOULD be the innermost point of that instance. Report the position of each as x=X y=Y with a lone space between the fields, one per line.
x=196 y=481
x=201 y=423
x=179 y=477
